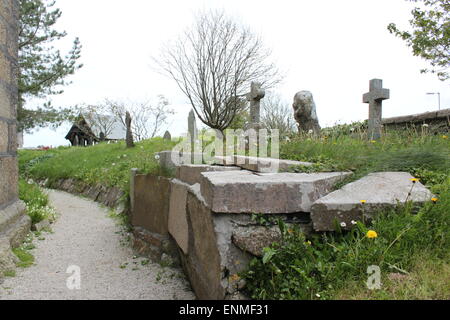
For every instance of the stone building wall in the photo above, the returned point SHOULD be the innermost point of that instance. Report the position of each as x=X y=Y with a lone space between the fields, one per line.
x=14 y=223
x=8 y=102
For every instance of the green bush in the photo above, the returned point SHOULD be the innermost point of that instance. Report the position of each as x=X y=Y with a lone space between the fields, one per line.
x=36 y=201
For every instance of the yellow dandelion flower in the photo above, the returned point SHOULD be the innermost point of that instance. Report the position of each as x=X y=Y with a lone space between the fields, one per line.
x=371 y=234
x=362 y=201
x=235 y=277
x=444 y=137
x=414 y=180
x=434 y=199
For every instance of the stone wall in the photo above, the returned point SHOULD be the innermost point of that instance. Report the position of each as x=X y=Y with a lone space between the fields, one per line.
x=14 y=224
x=434 y=121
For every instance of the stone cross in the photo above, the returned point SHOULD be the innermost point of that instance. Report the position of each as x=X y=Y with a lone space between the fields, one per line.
x=374 y=98
x=192 y=129
x=254 y=96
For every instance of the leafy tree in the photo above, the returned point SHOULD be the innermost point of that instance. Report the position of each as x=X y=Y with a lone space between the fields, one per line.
x=43 y=70
x=430 y=35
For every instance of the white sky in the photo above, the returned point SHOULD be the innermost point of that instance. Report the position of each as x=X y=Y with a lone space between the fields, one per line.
x=331 y=48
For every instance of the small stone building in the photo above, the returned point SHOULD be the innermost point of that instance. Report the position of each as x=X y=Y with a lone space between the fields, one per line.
x=83 y=133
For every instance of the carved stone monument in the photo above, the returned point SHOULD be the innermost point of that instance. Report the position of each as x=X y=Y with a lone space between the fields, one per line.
x=254 y=96
x=305 y=113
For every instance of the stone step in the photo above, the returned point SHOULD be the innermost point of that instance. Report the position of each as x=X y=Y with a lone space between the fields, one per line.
x=191 y=173
x=377 y=190
x=267 y=165
x=249 y=192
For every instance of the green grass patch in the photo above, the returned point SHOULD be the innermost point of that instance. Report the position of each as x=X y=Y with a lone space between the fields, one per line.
x=26 y=259
x=106 y=164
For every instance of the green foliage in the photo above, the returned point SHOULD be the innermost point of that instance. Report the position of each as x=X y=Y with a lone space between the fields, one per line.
x=26 y=259
x=430 y=35
x=43 y=69
x=107 y=164
x=36 y=201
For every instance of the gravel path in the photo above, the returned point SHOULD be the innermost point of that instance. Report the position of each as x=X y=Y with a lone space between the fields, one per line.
x=84 y=236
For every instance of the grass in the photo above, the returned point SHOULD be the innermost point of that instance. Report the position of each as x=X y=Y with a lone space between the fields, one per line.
x=26 y=259
x=106 y=164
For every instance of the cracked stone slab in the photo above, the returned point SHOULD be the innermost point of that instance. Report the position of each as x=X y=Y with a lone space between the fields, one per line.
x=266 y=165
x=249 y=192
x=191 y=173
x=379 y=190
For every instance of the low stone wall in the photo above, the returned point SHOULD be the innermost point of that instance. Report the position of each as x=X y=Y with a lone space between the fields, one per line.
x=435 y=121
x=202 y=218
x=111 y=197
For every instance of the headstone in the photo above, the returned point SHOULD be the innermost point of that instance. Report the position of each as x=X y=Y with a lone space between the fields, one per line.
x=193 y=133
x=76 y=141
x=254 y=96
x=305 y=113
x=374 y=98
x=129 y=136
x=102 y=136
x=167 y=136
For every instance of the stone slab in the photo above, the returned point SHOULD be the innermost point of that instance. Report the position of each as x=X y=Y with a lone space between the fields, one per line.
x=9 y=174
x=266 y=165
x=248 y=192
x=151 y=203
x=379 y=190
x=178 y=225
x=191 y=173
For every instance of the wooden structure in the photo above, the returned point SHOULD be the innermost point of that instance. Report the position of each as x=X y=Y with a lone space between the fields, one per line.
x=81 y=134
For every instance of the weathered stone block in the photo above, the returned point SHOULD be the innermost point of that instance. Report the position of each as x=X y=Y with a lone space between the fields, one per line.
x=178 y=224
x=379 y=191
x=191 y=173
x=5 y=103
x=248 y=192
x=8 y=179
x=202 y=263
x=151 y=203
x=14 y=223
x=267 y=165
x=7 y=259
x=254 y=239
x=43 y=225
x=4 y=141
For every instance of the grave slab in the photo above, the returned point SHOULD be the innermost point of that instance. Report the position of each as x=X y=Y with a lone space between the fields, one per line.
x=249 y=192
x=178 y=225
x=377 y=191
x=173 y=159
x=266 y=165
x=191 y=173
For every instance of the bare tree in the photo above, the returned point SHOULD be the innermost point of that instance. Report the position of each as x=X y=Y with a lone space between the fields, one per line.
x=277 y=114
x=214 y=62
x=148 y=118
x=98 y=118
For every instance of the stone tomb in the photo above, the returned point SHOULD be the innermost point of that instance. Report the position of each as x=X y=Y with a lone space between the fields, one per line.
x=359 y=200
